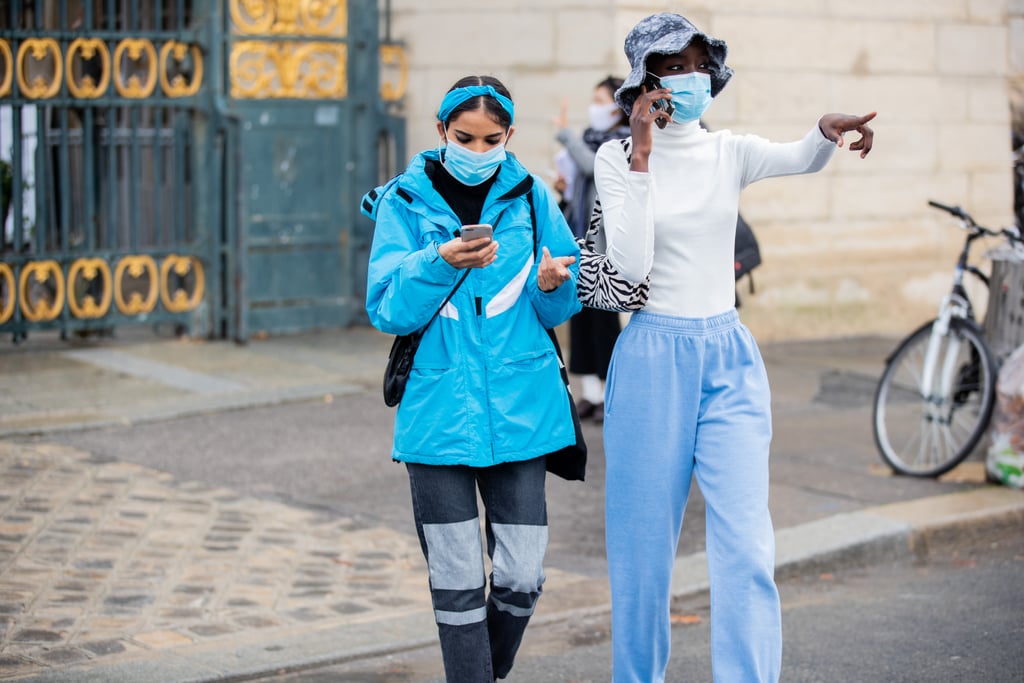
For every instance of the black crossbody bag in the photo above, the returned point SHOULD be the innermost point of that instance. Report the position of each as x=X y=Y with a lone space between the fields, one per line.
x=403 y=351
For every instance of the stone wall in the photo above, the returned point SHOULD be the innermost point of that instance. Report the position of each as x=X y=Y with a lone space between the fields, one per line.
x=852 y=250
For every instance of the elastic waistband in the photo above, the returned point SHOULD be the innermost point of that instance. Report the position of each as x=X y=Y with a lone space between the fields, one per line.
x=690 y=326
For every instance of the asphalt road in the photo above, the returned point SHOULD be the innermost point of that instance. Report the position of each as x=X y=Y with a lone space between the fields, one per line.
x=957 y=615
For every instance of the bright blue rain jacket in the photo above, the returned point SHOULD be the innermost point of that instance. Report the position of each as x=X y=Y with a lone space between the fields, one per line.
x=485 y=386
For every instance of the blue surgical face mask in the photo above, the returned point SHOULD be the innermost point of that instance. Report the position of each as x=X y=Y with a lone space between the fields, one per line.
x=691 y=95
x=469 y=167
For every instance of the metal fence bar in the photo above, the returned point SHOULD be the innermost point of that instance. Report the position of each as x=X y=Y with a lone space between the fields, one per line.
x=17 y=181
x=180 y=182
x=63 y=172
x=43 y=184
x=159 y=116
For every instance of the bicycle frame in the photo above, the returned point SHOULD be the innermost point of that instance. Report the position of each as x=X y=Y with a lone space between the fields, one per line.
x=936 y=394
x=956 y=304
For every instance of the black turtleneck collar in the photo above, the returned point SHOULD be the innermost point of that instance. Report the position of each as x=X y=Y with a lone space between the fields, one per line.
x=467 y=201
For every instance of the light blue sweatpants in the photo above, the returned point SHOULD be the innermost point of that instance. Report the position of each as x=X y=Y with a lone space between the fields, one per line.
x=689 y=398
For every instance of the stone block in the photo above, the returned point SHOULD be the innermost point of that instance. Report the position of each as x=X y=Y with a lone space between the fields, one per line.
x=760 y=42
x=886 y=10
x=971 y=50
x=903 y=99
x=870 y=47
x=989 y=101
x=796 y=198
x=499 y=40
x=161 y=640
x=900 y=147
x=873 y=196
x=768 y=95
x=974 y=147
x=987 y=11
x=1017 y=44
x=990 y=200
x=586 y=37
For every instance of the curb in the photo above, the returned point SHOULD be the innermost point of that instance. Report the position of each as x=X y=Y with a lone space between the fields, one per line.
x=884 y=533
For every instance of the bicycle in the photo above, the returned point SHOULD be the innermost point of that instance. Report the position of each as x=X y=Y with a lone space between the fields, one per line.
x=936 y=394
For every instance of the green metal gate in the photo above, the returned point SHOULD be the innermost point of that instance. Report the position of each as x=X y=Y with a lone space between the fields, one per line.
x=195 y=163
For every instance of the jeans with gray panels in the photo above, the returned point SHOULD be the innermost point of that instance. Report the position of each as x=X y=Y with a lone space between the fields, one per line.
x=480 y=632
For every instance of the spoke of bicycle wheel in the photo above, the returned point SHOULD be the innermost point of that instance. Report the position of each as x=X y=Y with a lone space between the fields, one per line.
x=934 y=443
x=952 y=444
x=924 y=445
x=925 y=450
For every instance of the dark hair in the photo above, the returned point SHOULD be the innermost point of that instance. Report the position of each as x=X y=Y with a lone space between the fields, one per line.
x=489 y=104
x=611 y=84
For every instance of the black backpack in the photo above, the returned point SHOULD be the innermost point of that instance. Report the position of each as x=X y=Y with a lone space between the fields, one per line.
x=748 y=253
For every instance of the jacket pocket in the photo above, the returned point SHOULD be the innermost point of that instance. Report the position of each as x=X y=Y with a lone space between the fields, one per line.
x=432 y=421
x=529 y=405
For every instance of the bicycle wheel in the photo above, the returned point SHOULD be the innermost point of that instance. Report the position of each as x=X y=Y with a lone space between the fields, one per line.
x=926 y=421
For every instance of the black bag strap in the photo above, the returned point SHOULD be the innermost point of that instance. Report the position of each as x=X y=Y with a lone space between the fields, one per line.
x=448 y=298
x=533 y=220
x=465 y=274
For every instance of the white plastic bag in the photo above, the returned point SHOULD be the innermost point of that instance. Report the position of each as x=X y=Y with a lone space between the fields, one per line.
x=1005 y=459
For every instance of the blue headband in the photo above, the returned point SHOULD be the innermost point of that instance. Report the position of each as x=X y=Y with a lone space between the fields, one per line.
x=459 y=95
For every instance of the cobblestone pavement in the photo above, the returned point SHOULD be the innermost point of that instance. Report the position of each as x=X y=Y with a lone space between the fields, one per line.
x=106 y=561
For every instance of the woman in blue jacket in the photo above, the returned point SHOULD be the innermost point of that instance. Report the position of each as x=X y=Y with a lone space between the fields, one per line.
x=485 y=400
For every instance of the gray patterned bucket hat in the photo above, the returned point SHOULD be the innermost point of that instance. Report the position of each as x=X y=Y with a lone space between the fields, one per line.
x=667 y=34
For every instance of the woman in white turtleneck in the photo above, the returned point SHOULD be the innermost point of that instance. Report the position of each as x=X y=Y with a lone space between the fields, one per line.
x=687 y=394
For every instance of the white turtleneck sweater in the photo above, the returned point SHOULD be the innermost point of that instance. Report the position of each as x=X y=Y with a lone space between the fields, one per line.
x=677 y=222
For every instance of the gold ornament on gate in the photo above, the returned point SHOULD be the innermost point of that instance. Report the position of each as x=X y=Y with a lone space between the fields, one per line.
x=393 y=56
x=41 y=290
x=93 y=271
x=289 y=17
x=312 y=70
x=7 y=295
x=177 y=299
x=32 y=56
x=136 y=285
x=89 y=49
x=8 y=70
x=177 y=86
x=135 y=51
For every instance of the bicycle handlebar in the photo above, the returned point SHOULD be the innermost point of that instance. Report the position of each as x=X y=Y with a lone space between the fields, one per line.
x=955 y=210
x=1010 y=233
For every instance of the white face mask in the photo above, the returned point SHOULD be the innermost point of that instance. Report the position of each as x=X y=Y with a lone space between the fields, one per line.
x=603 y=116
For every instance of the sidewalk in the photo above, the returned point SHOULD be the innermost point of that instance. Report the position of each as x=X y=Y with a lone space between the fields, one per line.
x=111 y=571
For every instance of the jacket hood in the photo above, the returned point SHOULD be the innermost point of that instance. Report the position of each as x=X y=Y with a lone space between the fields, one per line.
x=513 y=180
x=414 y=183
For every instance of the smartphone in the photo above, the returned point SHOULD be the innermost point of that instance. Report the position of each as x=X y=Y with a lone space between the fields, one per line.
x=652 y=82
x=476 y=231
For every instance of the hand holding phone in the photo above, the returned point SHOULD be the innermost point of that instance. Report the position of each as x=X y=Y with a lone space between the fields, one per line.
x=652 y=82
x=473 y=247
x=476 y=231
